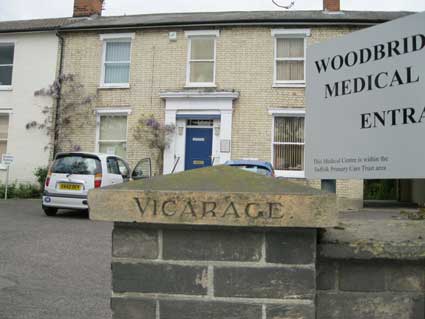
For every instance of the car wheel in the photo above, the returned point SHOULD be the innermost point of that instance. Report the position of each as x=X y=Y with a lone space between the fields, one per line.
x=50 y=211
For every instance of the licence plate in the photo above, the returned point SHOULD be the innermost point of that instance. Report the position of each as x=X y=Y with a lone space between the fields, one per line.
x=70 y=187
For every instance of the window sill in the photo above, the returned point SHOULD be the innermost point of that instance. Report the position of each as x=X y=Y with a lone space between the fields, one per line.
x=113 y=86
x=6 y=88
x=200 y=85
x=288 y=85
x=290 y=174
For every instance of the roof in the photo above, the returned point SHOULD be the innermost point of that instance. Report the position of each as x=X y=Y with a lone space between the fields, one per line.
x=34 y=25
x=236 y=18
x=202 y=19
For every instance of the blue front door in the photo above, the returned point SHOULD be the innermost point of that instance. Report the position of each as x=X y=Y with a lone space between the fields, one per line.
x=198 y=148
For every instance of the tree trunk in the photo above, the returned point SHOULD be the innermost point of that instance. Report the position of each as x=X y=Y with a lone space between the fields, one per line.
x=160 y=162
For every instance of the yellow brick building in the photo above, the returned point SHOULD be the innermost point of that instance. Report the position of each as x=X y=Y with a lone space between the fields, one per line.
x=232 y=84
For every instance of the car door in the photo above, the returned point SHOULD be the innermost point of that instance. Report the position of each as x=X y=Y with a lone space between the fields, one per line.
x=124 y=170
x=143 y=169
x=113 y=172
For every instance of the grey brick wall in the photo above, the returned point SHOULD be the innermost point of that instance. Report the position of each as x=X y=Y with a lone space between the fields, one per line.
x=212 y=273
x=370 y=289
x=164 y=272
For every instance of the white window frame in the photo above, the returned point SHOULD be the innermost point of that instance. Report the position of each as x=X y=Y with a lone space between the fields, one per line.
x=286 y=34
x=110 y=112
x=286 y=112
x=115 y=37
x=9 y=87
x=199 y=34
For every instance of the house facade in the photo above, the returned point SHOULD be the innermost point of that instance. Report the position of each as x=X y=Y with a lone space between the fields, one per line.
x=232 y=84
x=29 y=55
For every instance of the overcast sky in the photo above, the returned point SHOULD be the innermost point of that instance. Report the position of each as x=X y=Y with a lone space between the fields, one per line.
x=32 y=9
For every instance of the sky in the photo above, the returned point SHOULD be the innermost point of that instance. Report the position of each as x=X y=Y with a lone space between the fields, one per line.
x=33 y=9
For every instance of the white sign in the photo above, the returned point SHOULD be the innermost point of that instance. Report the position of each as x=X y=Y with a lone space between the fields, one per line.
x=365 y=100
x=7 y=159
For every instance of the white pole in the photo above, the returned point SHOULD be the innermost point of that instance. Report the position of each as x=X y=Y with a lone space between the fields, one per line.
x=7 y=182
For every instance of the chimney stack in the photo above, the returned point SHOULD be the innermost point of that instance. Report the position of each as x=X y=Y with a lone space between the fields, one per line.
x=331 y=5
x=87 y=8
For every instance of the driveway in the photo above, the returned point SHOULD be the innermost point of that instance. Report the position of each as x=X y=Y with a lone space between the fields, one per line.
x=52 y=267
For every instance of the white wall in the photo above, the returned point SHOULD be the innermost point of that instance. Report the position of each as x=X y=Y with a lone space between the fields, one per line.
x=34 y=67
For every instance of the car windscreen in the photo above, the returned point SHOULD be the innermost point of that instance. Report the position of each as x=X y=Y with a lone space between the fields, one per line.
x=255 y=169
x=76 y=164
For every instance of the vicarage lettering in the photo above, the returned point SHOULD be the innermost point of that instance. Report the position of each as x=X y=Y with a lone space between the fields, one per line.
x=208 y=209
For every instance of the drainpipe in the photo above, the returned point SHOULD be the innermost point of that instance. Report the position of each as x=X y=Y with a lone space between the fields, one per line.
x=58 y=99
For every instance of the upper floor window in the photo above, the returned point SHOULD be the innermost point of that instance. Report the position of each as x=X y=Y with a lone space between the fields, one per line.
x=116 y=60
x=4 y=128
x=201 y=58
x=289 y=56
x=288 y=142
x=6 y=64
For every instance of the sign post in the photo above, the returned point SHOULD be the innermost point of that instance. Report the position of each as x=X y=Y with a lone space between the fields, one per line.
x=7 y=183
x=7 y=159
x=365 y=98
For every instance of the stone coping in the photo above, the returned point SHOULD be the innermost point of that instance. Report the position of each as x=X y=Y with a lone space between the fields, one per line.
x=374 y=234
x=221 y=179
x=219 y=195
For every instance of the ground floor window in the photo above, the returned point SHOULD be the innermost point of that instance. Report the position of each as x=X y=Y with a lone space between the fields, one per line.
x=4 y=127
x=288 y=144
x=113 y=135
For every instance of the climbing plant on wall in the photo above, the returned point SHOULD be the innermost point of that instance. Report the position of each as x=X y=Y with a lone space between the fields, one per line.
x=71 y=111
x=157 y=136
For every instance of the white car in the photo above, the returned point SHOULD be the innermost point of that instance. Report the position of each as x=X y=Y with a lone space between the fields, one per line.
x=72 y=175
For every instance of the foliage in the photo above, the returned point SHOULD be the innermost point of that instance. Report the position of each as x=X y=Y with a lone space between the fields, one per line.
x=156 y=135
x=15 y=190
x=74 y=109
x=41 y=173
x=380 y=189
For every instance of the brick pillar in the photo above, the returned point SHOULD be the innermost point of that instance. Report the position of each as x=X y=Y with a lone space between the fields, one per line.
x=177 y=272
x=242 y=247
x=331 y=5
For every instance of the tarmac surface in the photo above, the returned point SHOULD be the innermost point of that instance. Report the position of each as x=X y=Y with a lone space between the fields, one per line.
x=53 y=267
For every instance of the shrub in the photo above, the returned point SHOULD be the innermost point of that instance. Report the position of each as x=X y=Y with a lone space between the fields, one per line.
x=24 y=190
x=41 y=173
x=380 y=189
